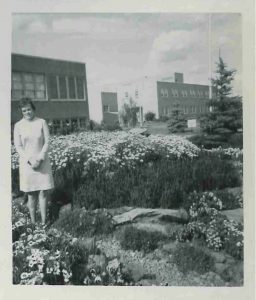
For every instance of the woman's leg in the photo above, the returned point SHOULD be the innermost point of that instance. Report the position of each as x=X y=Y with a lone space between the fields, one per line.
x=32 y=198
x=43 y=199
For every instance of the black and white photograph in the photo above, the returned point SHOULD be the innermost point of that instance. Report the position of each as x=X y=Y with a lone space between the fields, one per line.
x=127 y=138
x=127 y=156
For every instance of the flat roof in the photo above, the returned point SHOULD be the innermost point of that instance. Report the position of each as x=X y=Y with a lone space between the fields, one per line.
x=179 y=83
x=49 y=58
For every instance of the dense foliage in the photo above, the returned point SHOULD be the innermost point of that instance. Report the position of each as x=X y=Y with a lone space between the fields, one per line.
x=141 y=240
x=150 y=116
x=177 y=121
x=188 y=257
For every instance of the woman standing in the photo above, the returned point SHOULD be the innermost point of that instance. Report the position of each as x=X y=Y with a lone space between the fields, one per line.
x=31 y=139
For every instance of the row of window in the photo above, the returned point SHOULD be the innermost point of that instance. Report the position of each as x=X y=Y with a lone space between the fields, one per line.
x=184 y=93
x=34 y=86
x=166 y=111
x=65 y=126
x=66 y=87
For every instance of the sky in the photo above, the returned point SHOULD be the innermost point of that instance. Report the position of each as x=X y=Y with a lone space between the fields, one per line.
x=123 y=47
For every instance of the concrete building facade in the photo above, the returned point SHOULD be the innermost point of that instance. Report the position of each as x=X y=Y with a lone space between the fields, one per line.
x=57 y=87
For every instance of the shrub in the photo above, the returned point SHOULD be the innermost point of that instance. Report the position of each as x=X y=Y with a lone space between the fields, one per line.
x=150 y=116
x=228 y=199
x=213 y=141
x=139 y=239
x=191 y=258
x=85 y=223
x=112 y=127
x=233 y=241
x=160 y=183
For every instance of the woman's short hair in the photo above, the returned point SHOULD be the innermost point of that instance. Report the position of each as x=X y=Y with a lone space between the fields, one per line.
x=26 y=101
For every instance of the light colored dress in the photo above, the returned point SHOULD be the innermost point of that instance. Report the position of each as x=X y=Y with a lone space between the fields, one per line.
x=31 y=139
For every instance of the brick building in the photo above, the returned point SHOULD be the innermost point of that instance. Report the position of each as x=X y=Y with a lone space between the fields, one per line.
x=162 y=96
x=57 y=87
x=192 y=99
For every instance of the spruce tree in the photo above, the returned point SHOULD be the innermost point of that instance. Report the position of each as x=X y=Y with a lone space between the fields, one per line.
x=177 y=121
x=225 y=117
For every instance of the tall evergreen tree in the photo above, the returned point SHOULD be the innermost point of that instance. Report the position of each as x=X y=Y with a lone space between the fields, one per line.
x=225 y=117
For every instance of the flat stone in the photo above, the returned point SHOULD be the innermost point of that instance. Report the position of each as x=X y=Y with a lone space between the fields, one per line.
x=139 y=213
x=234 y=214
x=64 y=209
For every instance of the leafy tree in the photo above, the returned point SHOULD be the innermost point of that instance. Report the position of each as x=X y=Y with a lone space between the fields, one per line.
x=177 y=121
x=225 y=117
x=150 y=116
x=129 y=113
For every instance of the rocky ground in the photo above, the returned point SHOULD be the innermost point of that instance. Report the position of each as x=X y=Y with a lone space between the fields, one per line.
x=157 y=267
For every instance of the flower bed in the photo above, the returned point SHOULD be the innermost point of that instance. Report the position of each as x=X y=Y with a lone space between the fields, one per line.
x=103 y=170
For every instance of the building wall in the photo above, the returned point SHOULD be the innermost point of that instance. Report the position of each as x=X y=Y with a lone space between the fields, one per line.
x=192 y=99
x=109 y=99
x=64 y=92
x=109 y=108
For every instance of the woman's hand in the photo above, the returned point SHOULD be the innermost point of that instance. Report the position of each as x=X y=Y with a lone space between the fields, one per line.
x=35 y=163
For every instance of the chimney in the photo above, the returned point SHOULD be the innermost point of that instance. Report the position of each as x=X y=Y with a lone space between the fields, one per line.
x=178 y=77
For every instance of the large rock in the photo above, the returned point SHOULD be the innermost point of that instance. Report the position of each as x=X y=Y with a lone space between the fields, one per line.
x=234 y=214
x=64 y=209
x=136 y=214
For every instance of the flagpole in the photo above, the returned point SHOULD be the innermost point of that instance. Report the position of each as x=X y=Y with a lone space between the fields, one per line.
x=210 y=55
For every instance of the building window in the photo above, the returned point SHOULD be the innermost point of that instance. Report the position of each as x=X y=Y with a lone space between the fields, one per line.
x=66 y=87
x=206 y=93
x=192 y=93
x=175 y=93
x=126 y=94
x=71 y=88
x=63 y=87
x=53 y=87
x=164 y=93
x=80 y=87
x=28 y=85
x=136 y=93
x=105 y=108
x=82 y=122
x=184 y=93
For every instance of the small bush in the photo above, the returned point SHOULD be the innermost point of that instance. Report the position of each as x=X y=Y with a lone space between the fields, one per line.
x=216 y=140
x=190 y=258
x=141 y=240
x=150 y=116
x=85 y=223
x=229 y=200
